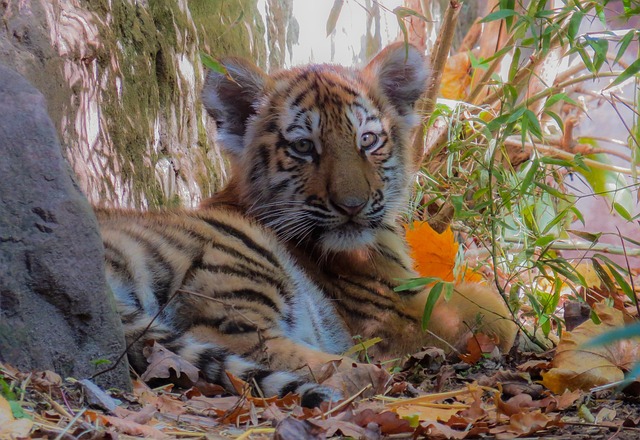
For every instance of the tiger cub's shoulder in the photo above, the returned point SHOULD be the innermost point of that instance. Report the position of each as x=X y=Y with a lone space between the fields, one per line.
x=182 y=225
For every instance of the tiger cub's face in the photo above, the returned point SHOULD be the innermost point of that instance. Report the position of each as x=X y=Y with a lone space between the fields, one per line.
x=321 y=152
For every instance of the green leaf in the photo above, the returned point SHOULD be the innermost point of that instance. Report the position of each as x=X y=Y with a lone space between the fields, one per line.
x=534 y=123
x=551 y=190
x=362 y=346
x=578 y=214
x=600 y=47
x=515 y=64
x=434 y=295
x=630 y=71
x=593 y=238
x=499 y=15
x=627 y=332
x=457 y=201
x=212 y=64
x=574 y=25
x=544 y=240
x=611 y=185
x=17 y=411
x=516 y=115
x=585 y=59
x=625 y=214
x=528 y=178
x=555 y=161
x=333 y=16
x=559 y=97
x=416 y=282
x=603 y=275
x=624 y=43
x=624 y=286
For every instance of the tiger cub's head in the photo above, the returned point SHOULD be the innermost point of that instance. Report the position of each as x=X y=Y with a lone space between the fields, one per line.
x=321 y=152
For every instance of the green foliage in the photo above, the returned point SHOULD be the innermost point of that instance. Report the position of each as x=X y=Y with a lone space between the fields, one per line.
x=7 y=392
x=521 y=215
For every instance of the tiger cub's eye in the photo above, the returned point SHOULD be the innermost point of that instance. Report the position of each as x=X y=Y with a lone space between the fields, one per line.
x=303 y=147
x=368 y=141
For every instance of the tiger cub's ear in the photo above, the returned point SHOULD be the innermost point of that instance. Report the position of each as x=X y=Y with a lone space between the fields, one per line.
x=232 y=98
x=400 y=72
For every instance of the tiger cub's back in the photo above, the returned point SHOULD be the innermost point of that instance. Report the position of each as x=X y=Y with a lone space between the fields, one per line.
x=219 y=290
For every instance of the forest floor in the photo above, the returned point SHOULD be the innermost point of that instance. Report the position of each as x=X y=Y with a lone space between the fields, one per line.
x=496 y=396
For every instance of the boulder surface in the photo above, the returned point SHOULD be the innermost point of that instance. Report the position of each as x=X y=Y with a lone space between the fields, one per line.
x=56 y=311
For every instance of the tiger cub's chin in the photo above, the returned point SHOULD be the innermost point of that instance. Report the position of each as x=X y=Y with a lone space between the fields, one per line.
x=342 y=240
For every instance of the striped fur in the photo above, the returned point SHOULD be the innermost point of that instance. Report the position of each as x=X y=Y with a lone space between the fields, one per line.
x=272 y=277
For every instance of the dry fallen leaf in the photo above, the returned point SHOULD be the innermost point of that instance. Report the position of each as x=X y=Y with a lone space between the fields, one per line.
x=125 y=426
x=525 y=424
x=353 y=380
x=477 y=346
x=428 y=412
x=10 y=428
x=294 y=429
x=163 y=361
x=576 y=367
x=388 y=421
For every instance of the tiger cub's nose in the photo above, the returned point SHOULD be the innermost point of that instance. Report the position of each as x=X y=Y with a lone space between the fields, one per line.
x=350 y=206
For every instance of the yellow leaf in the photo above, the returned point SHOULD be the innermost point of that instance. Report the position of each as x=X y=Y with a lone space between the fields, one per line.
x=434 y=254
x=576 y=367
x=423 y=413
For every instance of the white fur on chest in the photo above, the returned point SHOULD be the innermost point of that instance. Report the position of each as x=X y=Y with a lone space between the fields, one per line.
x=315 y=320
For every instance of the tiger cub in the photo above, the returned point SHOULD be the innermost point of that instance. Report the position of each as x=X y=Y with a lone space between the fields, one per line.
x=301 y=251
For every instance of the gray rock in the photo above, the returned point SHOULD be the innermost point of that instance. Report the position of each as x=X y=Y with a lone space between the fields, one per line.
x=55 y=308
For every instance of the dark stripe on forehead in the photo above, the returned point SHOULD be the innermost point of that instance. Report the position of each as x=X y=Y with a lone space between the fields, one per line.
x=342 y=87
x=292 y=127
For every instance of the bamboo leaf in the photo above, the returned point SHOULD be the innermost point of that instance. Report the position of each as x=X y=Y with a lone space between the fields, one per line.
x=630 y=71
x=611 y=185
x=528 y=177
x=499 y=15
x=624 y=43
x=416 y=282
x=574 y=25
x=434 y=295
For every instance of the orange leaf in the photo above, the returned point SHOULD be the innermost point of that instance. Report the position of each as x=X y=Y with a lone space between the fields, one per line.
x=435 y=254
x=456 y=77
x=478 y=345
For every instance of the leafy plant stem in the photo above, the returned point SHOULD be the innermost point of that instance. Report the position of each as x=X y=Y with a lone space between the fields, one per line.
x=494 y=250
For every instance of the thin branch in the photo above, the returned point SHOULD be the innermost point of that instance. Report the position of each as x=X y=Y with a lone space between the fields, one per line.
x=439 y=60
x=514 y=244
x=551 y=151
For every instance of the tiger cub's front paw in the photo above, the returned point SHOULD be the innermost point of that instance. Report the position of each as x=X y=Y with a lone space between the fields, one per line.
x=312 y=395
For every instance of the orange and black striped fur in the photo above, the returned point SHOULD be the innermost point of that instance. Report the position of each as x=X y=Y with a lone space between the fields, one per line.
x=272 y=277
